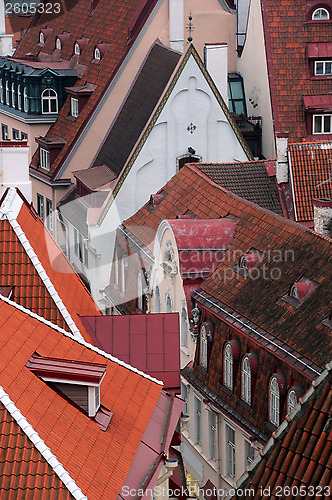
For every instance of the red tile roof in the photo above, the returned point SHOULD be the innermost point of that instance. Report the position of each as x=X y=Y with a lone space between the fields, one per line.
x=148 y=342
x=311 y=175
x=98 y=461
x=33 y=264
x=82 y=20
x=24 y=471
x=286 y=34
x=297 y=460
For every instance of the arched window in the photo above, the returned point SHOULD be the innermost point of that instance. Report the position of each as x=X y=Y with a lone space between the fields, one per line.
x=7 y=93
x=19 y=97
x=168 y=300
x=274 y=402
x=228 y=367
x=97 y=54
x=140 y=291
x=246 y=381
x=58 y=44
x=291 y=401
x=320 y=14
x=203 y=347
x=157 y=300
x=1 y=90
x=41 y=37
x=25 y=100
x=184 y=328
x=49 y=101
x=77 y=49
x=13 y=95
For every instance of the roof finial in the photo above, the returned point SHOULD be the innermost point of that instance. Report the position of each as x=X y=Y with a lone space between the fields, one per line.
x=190 y=28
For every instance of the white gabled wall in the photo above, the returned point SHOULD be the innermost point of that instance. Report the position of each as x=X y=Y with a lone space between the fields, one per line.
x=14 y=168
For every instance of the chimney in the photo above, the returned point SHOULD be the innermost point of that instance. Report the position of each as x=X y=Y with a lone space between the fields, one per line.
x=176 y=23
x=282 y=161
x=6 y=41
x=323 y=216
x=215 y=58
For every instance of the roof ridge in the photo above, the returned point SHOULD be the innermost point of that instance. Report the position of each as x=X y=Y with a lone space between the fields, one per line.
x=287 y=422
x=309 y=143
x=80 y=340
x=9 y=214
x=40 y=445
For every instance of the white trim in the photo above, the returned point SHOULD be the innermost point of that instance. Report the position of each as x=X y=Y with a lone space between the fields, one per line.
x=40 y=445
x=80 y=340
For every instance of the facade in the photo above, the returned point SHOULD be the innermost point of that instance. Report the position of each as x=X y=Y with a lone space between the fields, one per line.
x=264 y=335
x=15 y=167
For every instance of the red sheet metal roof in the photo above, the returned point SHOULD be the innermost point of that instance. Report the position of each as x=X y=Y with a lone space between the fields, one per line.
x=150 y=342
x=299 y=455
x=311 y=170
x=19 y=269
x=23 y=469
x=97 y=460
x=318 y=102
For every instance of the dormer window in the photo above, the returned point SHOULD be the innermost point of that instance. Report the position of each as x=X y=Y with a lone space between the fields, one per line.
x=320 y=14
x=25 y=100
x=58 y=44
x=300 y=291
x=7 y=93
x=13 y=95
x=249 y=261
x=77 y=49
x=206 y=339
x=78 y=381
x=79 y=45
x=277 y=389
x=231 y=356
x=44 y=159
x=97 y=54
x=322 y=124
x=41 y=37
x=74 y=107
x=49 y=99
x=291 y=401
x=323 y=68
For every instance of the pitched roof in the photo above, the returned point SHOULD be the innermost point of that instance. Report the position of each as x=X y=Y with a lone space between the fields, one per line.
x=33 y=264
x=98 y=461
x=148 y=342
x=95 y=177
x=136 y=110
x=298 y=456
x=250 y=180
x=87 y=20
x=311 y=175
x=24 y=470
x=286 y=34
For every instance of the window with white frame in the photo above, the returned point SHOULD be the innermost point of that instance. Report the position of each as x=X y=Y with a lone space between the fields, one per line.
x=184 y=328
x=49 y=221
x=228 y=367
x=58 y=44
x=24 y=136
x=184 y=396
x=323 y=68
x=291 y=401
x=74 y=107
x=97 y=54
x=41 y=37
x=320 y=14
x=198 y=420
x=246 y=381
x=1 y=90
x=274 y=402
x=49 y=99
x=322 y=124
x=249 y=453
x=157 y=300
x=25 y=100
x=140 y=291
x=19 y=97
x=4 y=132
x=40 y=206
x=44 y=159
x=80 y=247
x=7 y=93
x=13 y=95
x=203 y=347
x=230 y=451
x=16 y=134
x=77 y=49
x=212 y=422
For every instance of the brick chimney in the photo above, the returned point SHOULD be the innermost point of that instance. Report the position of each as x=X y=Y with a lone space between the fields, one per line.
x=323 y=216
x=282 y=160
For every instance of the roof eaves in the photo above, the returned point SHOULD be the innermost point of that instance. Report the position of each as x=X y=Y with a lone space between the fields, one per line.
x=40 y=445
x=6 y=211
x=80 y=341
x=160 y=106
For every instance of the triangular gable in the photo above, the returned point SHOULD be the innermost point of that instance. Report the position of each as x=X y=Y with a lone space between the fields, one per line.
x=41 y=276
x=48 y=71
x=191 y=52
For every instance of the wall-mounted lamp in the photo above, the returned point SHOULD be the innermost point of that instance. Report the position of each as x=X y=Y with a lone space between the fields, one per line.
x=170 y=464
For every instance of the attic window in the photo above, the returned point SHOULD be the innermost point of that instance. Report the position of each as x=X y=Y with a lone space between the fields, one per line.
x=249 y=261
x=320 y=14
x=78 y=381
x=300 y=291
x=77 y=49
x=41 y=37
x=58 y=44
x=97 y=54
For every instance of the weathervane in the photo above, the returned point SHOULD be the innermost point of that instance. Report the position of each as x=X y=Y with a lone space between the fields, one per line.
x=190 y=28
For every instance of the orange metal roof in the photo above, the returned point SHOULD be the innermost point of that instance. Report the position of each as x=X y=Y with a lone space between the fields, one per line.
x=18 y=270
x=98 y=461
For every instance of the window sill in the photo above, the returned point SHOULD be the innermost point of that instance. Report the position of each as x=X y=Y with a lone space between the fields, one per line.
x=226 y=390
x=271 y=427
x=71 y=118
x=245 y=405
x=321 y=77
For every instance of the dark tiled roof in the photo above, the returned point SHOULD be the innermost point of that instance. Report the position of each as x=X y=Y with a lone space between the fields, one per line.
x=249 y=180
x=24 y=471
x=311 y=169
x=137 y=109
x=299 y=455
x=80 y=20
x=286 y=35
x=95 y=177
